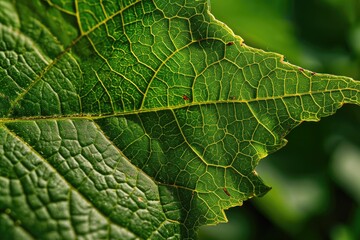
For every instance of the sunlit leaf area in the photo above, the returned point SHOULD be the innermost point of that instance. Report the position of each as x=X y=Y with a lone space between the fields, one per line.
x=315 y=177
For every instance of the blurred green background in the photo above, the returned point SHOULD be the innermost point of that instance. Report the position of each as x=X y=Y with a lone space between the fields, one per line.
x=316 y=177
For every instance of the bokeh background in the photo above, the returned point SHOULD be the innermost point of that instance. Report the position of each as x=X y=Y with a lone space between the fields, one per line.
x=316 y=177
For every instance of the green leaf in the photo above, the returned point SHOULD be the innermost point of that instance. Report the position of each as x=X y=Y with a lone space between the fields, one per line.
x=139 y=119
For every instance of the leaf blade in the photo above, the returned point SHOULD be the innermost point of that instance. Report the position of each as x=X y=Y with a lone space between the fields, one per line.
x=190 y=109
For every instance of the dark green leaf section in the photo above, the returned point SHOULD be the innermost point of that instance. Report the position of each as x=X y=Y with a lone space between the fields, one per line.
x=80 y=185
x=138 y=119
x=36 y=75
